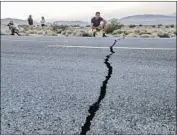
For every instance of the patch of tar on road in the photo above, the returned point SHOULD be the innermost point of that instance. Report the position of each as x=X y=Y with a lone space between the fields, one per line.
x=95 y=107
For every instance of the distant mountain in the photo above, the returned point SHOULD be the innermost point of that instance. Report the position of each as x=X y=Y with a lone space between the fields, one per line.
x=80 y=23
x=5 y=21
x=149 y=19
x=173 y=14
x=146 y=19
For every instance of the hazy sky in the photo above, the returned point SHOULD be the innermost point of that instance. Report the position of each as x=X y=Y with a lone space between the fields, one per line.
x=82 y=10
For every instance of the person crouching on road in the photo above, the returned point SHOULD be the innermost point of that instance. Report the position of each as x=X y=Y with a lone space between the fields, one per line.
x=98 y=23
x=13 y=28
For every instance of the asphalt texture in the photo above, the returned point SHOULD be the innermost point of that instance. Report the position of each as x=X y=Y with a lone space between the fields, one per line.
x=63 y=85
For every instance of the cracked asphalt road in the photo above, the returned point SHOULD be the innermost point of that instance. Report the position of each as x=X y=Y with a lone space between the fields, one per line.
x=48 y=89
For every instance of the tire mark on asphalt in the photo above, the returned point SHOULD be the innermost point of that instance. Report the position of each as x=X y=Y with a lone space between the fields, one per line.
x=95 y=107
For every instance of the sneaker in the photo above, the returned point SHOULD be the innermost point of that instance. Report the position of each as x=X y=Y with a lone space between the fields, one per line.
x=94 y=33
x=104 y=35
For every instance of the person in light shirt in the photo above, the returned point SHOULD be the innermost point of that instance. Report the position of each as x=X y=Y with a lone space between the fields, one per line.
x=42 y=21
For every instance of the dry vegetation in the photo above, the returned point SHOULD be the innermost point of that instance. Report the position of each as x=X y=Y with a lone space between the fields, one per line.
x=115 y=29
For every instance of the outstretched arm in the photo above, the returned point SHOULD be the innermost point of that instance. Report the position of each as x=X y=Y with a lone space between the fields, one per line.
x=104 y=21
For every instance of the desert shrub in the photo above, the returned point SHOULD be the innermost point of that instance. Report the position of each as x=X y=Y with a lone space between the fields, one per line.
x=50 y=33
x=39 y=32
x=25 y=27
x=147 y=33
x=27 y=33
x=115 y=21
x=143 y=31
x=54 y=34
x=172 y=25
x=145 y=36
x=115 y=32
x=140 y=25
x=153 y=26
x=131 y=35
x=56 y=27
x=163 y=35
x=87 y=35
x=137 y=31
x=63 y=32
x=112 y=27
x=58 y=31
x=132 y=26
x=88 y=25
x=121 y=26
x=167 y=26
x=118 y=31
x=31 y=32
x=76 y=25
x=126 y=33
x=159 y=25
x=82 y=33
x=68 y=32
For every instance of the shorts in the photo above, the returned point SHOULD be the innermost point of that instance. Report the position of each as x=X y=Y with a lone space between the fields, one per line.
x=42 y=25
x=31 y=26
x=97 y=29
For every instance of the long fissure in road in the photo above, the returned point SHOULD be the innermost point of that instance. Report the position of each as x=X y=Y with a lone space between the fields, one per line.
x=95 y=107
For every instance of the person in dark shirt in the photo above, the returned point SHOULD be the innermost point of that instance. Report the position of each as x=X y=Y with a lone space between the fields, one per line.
x=30 y=21
x=98 y=23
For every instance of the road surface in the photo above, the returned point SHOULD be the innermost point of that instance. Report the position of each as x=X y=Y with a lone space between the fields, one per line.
x=57 y=85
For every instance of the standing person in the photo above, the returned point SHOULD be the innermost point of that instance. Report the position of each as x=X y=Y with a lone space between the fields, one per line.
x=42 y=22
x=98 y=23
x=30 y=21
x=13 y=28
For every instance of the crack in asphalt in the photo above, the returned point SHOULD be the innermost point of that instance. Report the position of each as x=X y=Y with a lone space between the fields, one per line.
x=95 y=107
